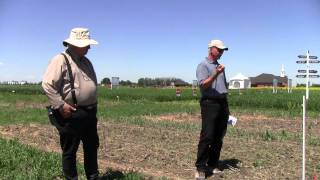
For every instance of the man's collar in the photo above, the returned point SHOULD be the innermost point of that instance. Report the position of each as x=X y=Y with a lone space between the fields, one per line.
x=211 y=61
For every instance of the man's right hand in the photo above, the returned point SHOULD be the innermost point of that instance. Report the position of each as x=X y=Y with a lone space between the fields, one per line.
x=66 y=110
x=220 y=68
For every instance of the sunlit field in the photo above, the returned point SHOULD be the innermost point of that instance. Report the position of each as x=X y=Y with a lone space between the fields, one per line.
x=159 y=132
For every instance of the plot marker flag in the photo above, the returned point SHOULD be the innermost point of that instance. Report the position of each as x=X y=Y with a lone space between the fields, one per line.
x=232 y=120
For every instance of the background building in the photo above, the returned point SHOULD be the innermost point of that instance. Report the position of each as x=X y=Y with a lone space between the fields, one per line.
x=267 y=80
x=239 y=82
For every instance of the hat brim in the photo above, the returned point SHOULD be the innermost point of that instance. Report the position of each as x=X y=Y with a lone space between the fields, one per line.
x=225 y=48
x=79 y=43
x=220 y=47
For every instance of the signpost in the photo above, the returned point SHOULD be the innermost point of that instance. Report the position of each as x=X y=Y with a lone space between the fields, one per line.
x=194 y=87
x=115 y=82
x=275 y=85
x=304 y=138
x=289 y=85
x=194 y=92
x=306 y=59
x=195 y=83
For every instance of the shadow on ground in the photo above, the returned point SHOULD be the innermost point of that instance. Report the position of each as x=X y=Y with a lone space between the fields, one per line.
x=115 y=174
x=112 y=174
x=227 y=164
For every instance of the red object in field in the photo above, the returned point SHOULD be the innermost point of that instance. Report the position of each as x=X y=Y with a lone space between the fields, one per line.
x=178 y=92
x=315 y=177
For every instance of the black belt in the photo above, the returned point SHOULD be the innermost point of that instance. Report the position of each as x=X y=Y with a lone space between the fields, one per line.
x=89 y=107
x=213 y=99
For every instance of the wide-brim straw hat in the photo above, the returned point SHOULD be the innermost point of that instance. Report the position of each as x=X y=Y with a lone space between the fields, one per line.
x=79 y=37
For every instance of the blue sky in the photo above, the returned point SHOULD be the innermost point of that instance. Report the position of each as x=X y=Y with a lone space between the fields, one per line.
x=160 y=38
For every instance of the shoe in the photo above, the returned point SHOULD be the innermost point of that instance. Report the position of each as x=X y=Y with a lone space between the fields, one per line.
x=200 y=175
x=214 y=170
x=93 y=176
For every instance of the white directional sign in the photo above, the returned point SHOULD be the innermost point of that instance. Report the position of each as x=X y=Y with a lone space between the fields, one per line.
x=301 y=76
x=304 y=71
x=310 y=57
x=314 y=61
x=301 y=62
x=307 y=59
x=304 y=76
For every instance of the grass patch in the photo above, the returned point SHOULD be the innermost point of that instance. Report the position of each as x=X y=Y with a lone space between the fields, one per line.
x=261 y=159
x=19 y=161
x=314 y=141
x=136 y=108
x=27 y=103
x=11 y=115
x=140 y=121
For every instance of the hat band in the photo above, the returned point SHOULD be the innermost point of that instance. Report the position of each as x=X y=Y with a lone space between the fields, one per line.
x=82 y=35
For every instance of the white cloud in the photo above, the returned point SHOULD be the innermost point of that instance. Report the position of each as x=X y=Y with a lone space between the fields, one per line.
x=1 y=64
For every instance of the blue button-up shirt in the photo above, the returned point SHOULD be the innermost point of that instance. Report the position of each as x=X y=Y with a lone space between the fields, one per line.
x=218 y=88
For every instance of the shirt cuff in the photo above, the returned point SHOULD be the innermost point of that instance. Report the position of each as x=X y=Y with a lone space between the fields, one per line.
x=58 y=105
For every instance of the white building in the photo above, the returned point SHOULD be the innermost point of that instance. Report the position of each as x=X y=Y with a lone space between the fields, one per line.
x=239 y=82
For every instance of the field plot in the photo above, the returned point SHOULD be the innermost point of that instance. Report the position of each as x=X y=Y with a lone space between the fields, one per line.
x=152 y=132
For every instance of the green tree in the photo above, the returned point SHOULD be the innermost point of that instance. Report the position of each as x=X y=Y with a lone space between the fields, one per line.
x=125 y=83
x=105 y=81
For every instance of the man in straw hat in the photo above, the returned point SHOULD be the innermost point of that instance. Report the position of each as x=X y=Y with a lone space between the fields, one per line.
x=70 y=84
x=214 y=110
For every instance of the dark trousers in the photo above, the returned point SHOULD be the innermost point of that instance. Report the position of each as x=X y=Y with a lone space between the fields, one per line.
x=214 y=114
x=82 y=126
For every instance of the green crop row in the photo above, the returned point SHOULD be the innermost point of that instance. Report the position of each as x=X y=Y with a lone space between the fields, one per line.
x=246 y=99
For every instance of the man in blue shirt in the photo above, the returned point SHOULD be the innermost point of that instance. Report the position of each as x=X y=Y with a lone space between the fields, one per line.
x=214 y=110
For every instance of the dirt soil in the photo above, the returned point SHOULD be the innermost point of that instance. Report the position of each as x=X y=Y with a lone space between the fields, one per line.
x=171 y=152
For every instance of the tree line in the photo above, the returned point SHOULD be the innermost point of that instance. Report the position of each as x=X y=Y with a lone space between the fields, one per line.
x=149 y=82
